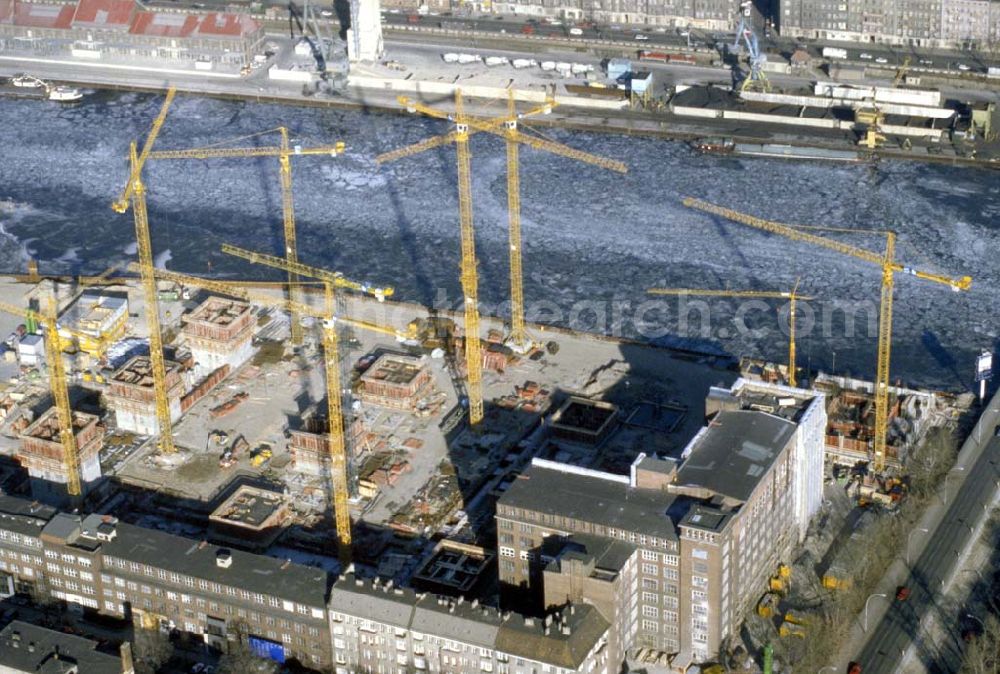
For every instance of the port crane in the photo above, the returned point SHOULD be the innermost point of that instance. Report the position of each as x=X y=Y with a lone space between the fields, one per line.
x=757 y=79
x=508 y=128
x=284 y=151
x=59 y=387
x=337 y=443
x=135 y=193
x=885 y=261
x=792 y=296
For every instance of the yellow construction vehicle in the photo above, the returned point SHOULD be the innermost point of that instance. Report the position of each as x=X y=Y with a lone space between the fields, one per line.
x=792 y=297
x=889 y=267
x=337 y=444
x=284 y=152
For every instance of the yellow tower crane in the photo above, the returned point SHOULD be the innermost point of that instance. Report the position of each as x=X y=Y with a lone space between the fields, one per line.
x=135 y=193
x=121 y=204
x=337 y=446
x=284 y=152
x=507 y=127
x=792 y=297
x=59 y=387
x=886 y=262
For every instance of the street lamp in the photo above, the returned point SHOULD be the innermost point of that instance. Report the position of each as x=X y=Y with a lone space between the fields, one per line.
x=908 y=537
x=864 y=626
x=946 y=476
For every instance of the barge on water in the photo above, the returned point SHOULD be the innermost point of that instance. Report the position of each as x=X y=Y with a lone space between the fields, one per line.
x=726 y=145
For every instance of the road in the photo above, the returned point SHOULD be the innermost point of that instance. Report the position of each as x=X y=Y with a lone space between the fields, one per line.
x=973 y=485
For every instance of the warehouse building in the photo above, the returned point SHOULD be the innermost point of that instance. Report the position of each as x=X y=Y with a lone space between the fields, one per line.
x=165 y=582
x=686 y=567
x=105 y=29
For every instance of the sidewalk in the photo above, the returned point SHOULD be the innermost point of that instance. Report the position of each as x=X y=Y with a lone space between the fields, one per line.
x=898 y=572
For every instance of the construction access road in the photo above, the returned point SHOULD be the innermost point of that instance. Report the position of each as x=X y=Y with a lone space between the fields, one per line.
x=896 y=636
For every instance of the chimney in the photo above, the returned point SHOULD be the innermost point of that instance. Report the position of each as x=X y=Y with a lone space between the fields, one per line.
x=31 y=647
x=566 y=630
x=451 y=608
x=475 y=603
x=388 y=584
x=203 y=545
x=223 y=558
x=529 y=622
x=286 y=564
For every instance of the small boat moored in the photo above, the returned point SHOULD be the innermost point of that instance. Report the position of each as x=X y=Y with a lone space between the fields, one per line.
x=65 y=94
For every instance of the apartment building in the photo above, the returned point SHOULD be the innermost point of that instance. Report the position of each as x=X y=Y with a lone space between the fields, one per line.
x=962 y=24
x=706 y=14
x=697 y=538
x=30 y=649
x=380 y=628
x=165 y=582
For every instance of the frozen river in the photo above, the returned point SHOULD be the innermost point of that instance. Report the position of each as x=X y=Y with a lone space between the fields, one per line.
x=589 y=235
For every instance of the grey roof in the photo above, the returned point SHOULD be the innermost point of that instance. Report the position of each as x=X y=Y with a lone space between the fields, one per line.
x=592 y=499
x=64 y=527
x=608 y=554
x=458 y=620
x=24 y=516
x=737 y=448
x=257 y=573
x=29 y=648
x=359 y=598
x=583 y=622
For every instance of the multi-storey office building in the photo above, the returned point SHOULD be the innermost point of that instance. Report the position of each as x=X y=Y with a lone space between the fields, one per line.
x=707 y=14
x=698 y=538
x=965 y=24
x=380 y=628
x=165 y=581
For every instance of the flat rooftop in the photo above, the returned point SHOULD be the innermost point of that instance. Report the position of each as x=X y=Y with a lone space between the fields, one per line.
x=29 y=648
x=286 y=580
x=589 y=496
x=139 y=372
x=393 y=369
x=734 y=451
x=93 y=312
x=218 y=311
x=249 y=507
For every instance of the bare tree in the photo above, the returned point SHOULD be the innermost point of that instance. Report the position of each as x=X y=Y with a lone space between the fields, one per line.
x=982 y=655
x=152 y=650
x=241 y=659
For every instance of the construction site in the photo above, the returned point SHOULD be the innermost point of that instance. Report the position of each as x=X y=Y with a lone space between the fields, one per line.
x=312 y=417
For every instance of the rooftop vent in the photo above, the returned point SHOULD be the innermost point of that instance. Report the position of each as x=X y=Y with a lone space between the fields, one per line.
x=223 y=558
x=529 y=622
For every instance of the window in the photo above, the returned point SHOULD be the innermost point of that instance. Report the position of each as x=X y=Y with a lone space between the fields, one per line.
x=670 y=616
x=650 y=612
x=699 y=581
x=650 y=626
x=506 y=552
x=671 y=574
x=698 y=595
x=650 y=569
x=649 y=555
x=671 y=560
x=649 y=584
x=649 y=597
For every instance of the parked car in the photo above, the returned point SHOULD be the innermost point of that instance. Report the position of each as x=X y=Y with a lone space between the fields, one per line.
x=575 y=31
x=881 y=59
x=640 y=36
x=926 y=62
x=865 y=55
x=963 y=67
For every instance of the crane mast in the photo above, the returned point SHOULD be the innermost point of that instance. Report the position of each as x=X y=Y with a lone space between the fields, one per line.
x=283 y=152
x=888 y=266
x=152 y=306
x=791 y=296
x=60 y=395
x=506 y=127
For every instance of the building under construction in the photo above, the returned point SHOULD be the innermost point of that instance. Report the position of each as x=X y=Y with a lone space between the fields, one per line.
x=130 y=395
x=251 y=517
x=97 y=320
x=41 y=453
x=395 y=381
x=219 y=332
